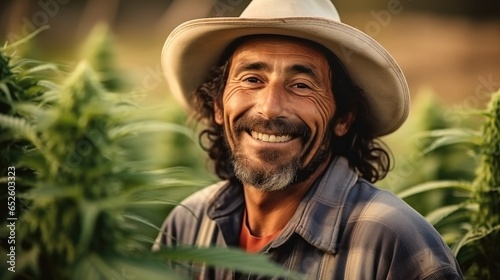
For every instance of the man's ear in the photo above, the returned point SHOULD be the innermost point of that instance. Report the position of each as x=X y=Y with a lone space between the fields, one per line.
x=218 y=116
x=344 y=124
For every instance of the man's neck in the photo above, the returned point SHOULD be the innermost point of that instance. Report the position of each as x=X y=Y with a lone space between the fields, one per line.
x=269 y=212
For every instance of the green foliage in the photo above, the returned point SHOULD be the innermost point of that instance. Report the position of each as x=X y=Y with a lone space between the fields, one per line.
x=228 y=258
x=481 y=245
x=23 y=83
x=471 y=225
x=99 y=52
x=417 y=161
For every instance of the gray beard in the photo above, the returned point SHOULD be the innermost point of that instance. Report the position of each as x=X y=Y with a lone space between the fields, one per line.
x=267 y=180
x=282 y=176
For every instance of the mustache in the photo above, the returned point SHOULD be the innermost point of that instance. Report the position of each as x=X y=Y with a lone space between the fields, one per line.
x=278 y=126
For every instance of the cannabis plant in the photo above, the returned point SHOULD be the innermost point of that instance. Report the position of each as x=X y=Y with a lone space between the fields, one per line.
x=472 y=226
x=99 y=52
x=21 y=81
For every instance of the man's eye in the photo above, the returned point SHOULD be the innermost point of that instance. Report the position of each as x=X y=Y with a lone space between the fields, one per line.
x=301 y=85
x=252 y=80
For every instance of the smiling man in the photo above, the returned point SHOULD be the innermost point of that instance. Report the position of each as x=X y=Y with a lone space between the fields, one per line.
x=275 y=109
x=294 y=102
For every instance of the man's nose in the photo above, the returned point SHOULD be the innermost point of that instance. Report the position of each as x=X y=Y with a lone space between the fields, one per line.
x=272 y=101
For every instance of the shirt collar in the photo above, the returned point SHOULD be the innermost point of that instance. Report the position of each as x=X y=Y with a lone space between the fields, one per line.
x=228 y=198
x=319 y=215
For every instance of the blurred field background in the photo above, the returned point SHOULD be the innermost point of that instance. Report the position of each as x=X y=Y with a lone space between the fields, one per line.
x=448 y=50
x=446 y=46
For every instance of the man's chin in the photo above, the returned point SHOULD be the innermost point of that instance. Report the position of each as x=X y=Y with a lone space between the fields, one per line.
x=265 y=179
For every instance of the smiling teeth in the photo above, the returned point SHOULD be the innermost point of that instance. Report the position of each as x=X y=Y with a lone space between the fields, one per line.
x=271 y=138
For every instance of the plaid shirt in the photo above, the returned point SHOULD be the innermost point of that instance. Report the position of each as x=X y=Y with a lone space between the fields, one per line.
x=344 y=228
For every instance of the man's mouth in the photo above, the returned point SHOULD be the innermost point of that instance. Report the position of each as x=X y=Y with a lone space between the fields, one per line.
x=270 y=137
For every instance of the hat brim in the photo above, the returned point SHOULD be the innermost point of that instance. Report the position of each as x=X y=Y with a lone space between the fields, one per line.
x=196 y=46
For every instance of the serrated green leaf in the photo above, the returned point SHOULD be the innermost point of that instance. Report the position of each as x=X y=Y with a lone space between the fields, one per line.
x=25 y=39
x=29 y=109
x=42 y=68
x=95 y=267
x=20 y=127
x=141 y=220
x=228 y=258
x=435 y=185
x=451 y=136
x=89 y=212
x=50 y=192
x=150 y=127
x=5 y=89
x=473 y=235
x=441 y=213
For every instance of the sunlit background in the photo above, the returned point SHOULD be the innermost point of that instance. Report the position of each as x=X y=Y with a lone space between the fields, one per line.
x=449 y=51
x=451 y=47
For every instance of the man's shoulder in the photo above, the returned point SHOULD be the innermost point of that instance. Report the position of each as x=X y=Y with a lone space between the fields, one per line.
x=378 y=216
x=382 y=222
x=183 y=222
x=196 y=203
x=385 y=208
x=387 y=221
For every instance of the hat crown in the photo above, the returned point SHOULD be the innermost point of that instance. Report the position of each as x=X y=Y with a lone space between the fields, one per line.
x=291 y=8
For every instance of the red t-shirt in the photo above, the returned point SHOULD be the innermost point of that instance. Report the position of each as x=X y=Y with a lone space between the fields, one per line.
x=251 y=243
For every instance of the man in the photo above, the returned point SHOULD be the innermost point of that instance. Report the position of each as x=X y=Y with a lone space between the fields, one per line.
x=293 y=101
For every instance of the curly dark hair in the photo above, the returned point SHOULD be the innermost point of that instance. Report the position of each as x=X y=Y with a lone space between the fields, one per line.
x=366 y=154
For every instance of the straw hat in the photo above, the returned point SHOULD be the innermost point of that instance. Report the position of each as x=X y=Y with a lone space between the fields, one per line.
x=195 y=46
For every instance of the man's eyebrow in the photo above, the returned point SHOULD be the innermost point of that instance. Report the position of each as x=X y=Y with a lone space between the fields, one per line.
x=259 y=65
x=305 y=69
x=310 y=71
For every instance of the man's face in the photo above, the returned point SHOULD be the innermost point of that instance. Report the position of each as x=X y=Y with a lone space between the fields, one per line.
x=276 y=109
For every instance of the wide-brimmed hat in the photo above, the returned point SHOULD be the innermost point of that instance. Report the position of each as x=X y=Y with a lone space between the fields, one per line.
x=195 y=46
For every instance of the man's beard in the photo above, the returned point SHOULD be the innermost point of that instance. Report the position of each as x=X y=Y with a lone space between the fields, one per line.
x=264 y=180
x=284 y=174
